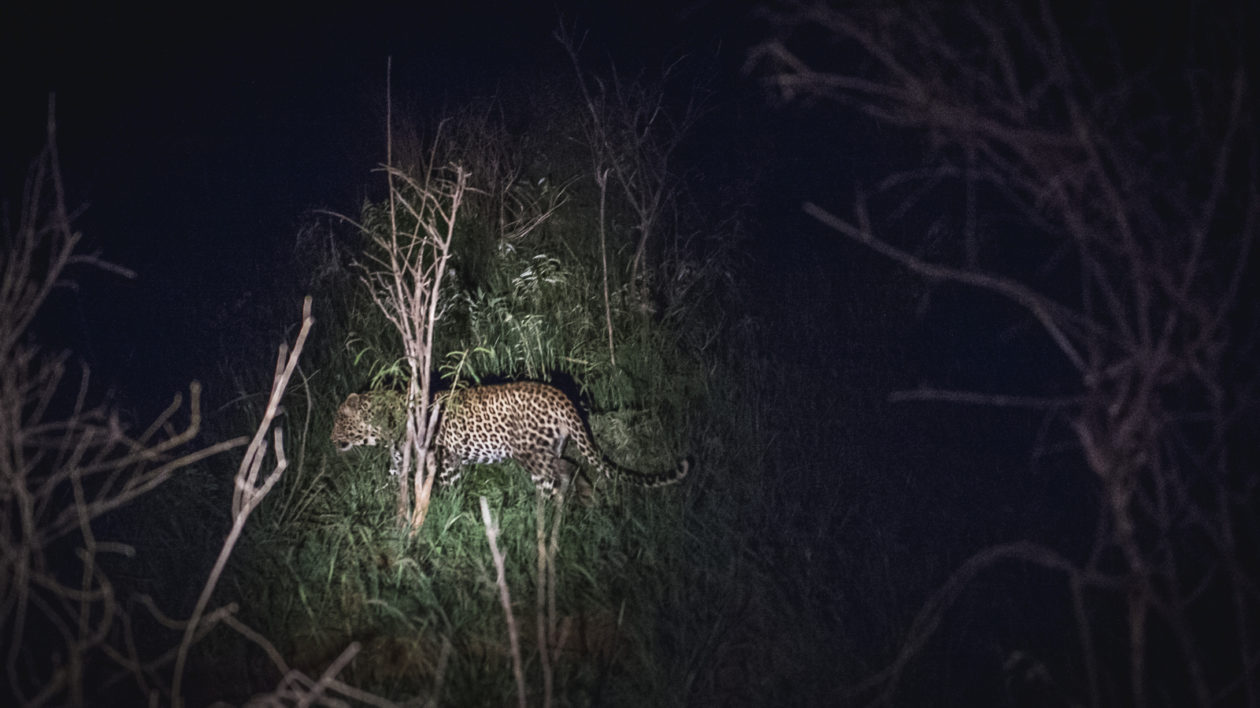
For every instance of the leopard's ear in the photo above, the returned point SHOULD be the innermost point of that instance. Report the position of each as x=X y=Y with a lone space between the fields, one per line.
x=352 y=400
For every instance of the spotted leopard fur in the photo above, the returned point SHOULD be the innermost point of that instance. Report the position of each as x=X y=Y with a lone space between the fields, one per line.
x=528 y=422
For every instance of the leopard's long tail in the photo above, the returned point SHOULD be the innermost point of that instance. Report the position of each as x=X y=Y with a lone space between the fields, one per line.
x=659 y=479
x=608 y=467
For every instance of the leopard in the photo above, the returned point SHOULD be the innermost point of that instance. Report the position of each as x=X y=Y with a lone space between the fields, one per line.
x=526 y=421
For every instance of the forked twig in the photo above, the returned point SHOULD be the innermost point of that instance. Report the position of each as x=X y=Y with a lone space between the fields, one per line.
x=248 y=491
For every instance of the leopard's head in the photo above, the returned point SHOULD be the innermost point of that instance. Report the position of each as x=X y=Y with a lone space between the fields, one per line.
x=358 y=422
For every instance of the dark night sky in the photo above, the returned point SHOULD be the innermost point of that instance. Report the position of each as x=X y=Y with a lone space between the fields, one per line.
x=202 y=142
x=201 y=139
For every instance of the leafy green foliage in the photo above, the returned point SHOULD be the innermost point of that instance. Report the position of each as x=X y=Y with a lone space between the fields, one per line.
x=326 y=562
x=699 y=593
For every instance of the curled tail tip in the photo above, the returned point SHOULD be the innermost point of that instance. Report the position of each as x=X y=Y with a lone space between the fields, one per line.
x=677 y=475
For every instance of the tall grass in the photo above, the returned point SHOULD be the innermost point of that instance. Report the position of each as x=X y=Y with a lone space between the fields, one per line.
x=327 y=562
x=713 y=592
x=707 y=593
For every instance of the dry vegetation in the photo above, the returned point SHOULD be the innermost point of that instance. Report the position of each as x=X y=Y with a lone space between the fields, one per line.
x=1134 y=189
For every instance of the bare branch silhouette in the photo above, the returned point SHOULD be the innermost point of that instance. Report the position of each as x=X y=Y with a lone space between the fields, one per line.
x=1139 y=184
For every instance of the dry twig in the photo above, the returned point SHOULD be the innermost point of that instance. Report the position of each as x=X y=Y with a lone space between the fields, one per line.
x=505 y=599
x=1151 y=319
